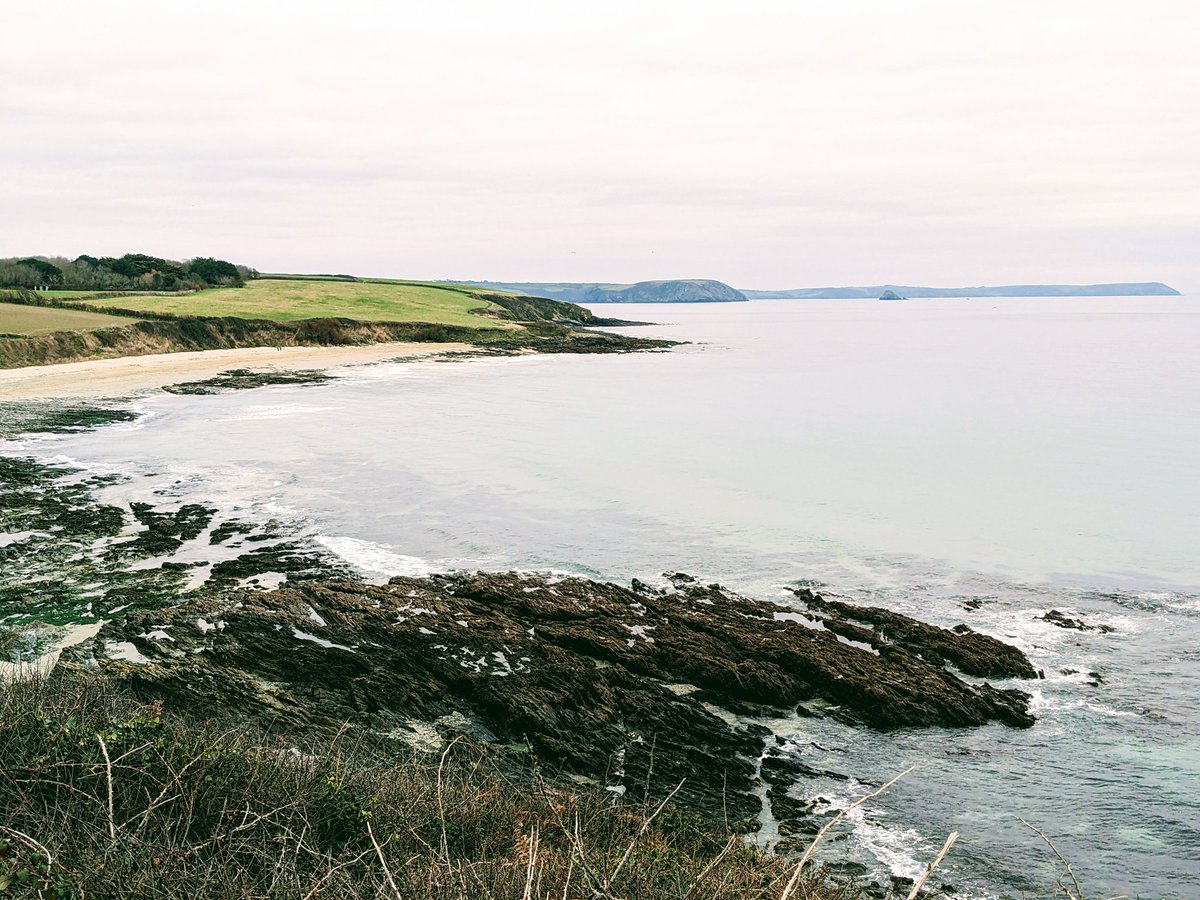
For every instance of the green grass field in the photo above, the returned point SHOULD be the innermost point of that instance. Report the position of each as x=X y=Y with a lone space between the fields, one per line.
x=16 y=318
x=288 y=301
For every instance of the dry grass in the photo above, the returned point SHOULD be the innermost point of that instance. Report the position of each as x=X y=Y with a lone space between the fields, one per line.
x=103 y=796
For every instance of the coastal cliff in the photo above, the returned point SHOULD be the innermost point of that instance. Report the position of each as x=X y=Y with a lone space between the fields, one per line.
x=507 y=323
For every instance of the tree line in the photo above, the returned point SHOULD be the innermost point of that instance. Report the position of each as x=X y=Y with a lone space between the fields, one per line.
x=131 y=272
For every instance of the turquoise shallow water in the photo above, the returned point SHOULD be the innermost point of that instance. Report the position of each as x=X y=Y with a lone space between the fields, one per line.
x=1030 y=454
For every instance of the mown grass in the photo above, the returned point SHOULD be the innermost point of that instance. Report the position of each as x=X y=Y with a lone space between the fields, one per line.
x=289 y=301
x=16 y=318
x=104 y=796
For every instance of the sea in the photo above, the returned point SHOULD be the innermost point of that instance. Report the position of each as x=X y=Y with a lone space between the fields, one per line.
x=929 y=456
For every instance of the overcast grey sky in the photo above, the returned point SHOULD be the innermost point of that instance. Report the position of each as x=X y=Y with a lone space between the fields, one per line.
x=767 y=144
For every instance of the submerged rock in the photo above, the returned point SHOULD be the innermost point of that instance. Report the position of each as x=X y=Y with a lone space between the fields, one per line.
x=640 y=688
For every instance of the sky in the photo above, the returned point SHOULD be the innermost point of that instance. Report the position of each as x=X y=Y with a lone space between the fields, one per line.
x=764 y=144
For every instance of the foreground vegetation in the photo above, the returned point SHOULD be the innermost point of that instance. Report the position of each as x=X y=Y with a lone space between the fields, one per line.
x=104 y=796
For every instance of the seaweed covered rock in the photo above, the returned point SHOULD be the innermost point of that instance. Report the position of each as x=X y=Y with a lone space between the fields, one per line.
x=967 y=650
x=639 y=688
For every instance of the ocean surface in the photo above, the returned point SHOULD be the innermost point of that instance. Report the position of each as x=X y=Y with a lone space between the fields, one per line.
x=1031 y=454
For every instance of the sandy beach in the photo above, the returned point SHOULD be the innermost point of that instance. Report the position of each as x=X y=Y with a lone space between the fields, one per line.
x=130 y=374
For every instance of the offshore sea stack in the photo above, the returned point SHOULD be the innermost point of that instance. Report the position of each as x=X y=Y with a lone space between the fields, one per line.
x=628 y=686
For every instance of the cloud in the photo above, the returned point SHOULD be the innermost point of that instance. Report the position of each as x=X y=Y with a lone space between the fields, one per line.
x=479 y=139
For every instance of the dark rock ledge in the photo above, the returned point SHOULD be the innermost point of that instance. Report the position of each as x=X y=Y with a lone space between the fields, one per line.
x=1062 y=620
x=637 y=687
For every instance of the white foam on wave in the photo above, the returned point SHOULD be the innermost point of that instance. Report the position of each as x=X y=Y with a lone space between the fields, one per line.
x=375 y=372
x=279 y=510
x=61 y=459
x=375 y=559
x=1171 y=602
x=1041 y=704
x=145 y=415
x=272 y=411
x=891 y=845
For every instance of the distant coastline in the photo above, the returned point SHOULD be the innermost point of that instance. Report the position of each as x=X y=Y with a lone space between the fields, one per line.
x=703 y=290
x=1127 y=289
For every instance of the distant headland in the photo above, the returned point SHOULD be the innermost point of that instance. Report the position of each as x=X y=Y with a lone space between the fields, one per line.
x=682 y=290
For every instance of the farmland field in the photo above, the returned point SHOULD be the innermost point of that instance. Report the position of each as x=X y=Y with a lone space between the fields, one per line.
x=17 y=318
x=286 y=301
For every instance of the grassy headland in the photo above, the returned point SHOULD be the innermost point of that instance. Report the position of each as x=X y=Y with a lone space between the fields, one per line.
x=294 y=311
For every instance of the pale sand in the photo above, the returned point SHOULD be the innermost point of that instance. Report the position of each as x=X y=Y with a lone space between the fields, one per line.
x=130 y=374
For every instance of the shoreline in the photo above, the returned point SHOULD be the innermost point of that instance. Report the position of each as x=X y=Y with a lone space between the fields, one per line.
x=123 y=375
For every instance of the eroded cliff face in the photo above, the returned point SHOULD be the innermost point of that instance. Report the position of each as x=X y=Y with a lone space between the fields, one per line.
x=629 y=686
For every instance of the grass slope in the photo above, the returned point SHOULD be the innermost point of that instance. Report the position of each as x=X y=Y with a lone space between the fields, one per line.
x=21 y=319
x=103 y=796
x=290 y=301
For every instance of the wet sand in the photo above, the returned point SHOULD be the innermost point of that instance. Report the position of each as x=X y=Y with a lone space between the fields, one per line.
x=130 y=374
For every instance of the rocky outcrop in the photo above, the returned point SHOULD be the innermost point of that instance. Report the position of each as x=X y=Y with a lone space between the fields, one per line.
x=246 y=379
x=1062 y=620
x=524 y=309
x=968 y=651
x=637 y=687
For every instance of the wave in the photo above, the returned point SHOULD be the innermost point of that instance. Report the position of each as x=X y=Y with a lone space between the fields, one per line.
x=371 y=558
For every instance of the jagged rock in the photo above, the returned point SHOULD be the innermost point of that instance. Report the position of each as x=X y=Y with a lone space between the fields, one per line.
x=1054 y=617
x=970 y=652
x=633 y=687
x=795 y=815
x=846 y=869
x=1096 y=679
x=781 y=769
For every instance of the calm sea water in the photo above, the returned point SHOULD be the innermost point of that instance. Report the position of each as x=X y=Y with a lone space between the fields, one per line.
x=1029 y=453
